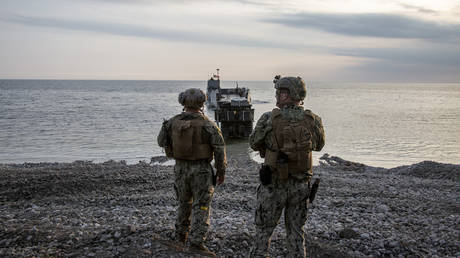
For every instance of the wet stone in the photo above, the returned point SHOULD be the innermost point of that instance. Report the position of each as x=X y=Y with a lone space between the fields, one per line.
x=83 y=209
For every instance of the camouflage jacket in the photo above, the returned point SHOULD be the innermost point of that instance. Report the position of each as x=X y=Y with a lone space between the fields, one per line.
x=210 y=130
x=261 y=139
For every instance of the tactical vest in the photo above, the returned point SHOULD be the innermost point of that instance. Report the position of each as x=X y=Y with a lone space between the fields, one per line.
x=292 y=145
x=187 y=140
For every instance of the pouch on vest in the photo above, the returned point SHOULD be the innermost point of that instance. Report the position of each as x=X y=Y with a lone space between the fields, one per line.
x=293 y=139
x=296 y=142
x=277 y=162
x=182 y=134
x=282 y=165
x=297 y=145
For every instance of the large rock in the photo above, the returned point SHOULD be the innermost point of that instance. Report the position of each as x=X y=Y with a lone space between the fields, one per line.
x=431 y=170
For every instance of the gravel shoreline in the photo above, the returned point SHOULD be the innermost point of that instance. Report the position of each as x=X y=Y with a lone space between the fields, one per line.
x=82 y=209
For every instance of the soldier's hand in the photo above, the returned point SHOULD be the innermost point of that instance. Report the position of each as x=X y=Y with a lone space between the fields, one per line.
x=220 y=179
x=262 y=153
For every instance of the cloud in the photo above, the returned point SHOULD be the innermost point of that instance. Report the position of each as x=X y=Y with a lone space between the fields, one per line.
x=177 y=2
x=419 y=9
x=371 y=25
x=381 y=70
x=444 y=57
x=122 y=29
x=122 y=1
x=449 y=57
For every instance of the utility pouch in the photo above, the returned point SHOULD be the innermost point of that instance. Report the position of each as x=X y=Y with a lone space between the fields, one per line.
x=281 y=158
x=169 y=152
x=265 y=174
x=282 y=165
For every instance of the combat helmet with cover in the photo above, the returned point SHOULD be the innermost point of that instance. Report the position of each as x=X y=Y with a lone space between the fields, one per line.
x=192 y=98
x=295 y=85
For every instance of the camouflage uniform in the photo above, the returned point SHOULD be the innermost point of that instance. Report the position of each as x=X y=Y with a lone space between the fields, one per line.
x=290 y=194
x=194 y=179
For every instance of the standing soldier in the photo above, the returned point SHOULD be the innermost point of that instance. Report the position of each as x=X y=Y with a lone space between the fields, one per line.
x=193 y=140
x=285 y=137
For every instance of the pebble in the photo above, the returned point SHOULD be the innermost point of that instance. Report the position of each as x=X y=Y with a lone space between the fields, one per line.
x=382 y=208
x=117 y=234
x=114 y=209
x=365 y=236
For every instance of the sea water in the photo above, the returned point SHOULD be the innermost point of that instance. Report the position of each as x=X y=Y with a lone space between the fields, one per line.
x=378 y=124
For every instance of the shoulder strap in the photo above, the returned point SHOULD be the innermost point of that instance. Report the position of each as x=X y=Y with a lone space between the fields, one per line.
x=275 y=113
x=308 y=112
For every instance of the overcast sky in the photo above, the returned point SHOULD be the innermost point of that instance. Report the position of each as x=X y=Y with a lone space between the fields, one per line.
x=328 y=40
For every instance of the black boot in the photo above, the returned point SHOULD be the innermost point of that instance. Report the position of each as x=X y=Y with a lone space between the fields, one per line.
x=202 y=249
x=181 y=238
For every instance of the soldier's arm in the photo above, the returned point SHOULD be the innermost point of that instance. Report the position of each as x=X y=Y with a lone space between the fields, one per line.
x=163 y=138
x=218 y=145
x=257 y=137
x=319 y=137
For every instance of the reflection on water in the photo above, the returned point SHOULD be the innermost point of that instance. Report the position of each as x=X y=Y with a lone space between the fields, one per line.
x=377 y=124
x=237 y=147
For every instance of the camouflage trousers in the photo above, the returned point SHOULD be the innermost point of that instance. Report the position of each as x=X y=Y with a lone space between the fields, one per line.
x=194 y=191
x=290 y=195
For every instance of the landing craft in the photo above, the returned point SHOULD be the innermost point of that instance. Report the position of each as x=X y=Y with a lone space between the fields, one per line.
x=232 y=107
x=212 y=91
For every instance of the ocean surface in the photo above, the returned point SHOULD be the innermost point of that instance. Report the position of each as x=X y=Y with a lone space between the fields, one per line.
x=378 y=124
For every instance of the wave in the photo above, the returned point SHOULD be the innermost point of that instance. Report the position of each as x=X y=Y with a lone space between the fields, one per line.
x=260 y=101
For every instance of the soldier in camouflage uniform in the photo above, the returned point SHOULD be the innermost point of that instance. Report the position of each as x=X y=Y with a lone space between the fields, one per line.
x=193 y=140
x=285 y=137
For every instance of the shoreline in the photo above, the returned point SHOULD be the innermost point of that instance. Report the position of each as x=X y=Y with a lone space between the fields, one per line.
x=236 y=149
x=114 y=209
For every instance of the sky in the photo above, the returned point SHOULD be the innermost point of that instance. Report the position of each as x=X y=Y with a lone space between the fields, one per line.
x=328 y=40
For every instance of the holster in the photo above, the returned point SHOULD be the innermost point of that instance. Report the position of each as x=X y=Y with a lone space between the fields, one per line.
x=313 y=190
x=265 y=174
x=214 y=177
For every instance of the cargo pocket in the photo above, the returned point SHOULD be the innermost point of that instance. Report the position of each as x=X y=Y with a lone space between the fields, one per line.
x=204 y=188
x=176 y=191
x=258 y=220
x=259 y=210
x=268 y=210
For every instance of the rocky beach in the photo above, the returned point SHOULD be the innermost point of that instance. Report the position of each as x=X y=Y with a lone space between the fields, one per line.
x=83 y=209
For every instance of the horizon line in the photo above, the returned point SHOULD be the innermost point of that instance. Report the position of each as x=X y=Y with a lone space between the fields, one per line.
x=245 y=80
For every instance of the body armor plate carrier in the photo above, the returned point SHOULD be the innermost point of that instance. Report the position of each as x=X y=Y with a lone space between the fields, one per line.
x=293 y=140
x=187 y=140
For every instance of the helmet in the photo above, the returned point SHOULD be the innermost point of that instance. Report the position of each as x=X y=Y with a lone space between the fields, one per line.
x=192 y=98
x=295 y=85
